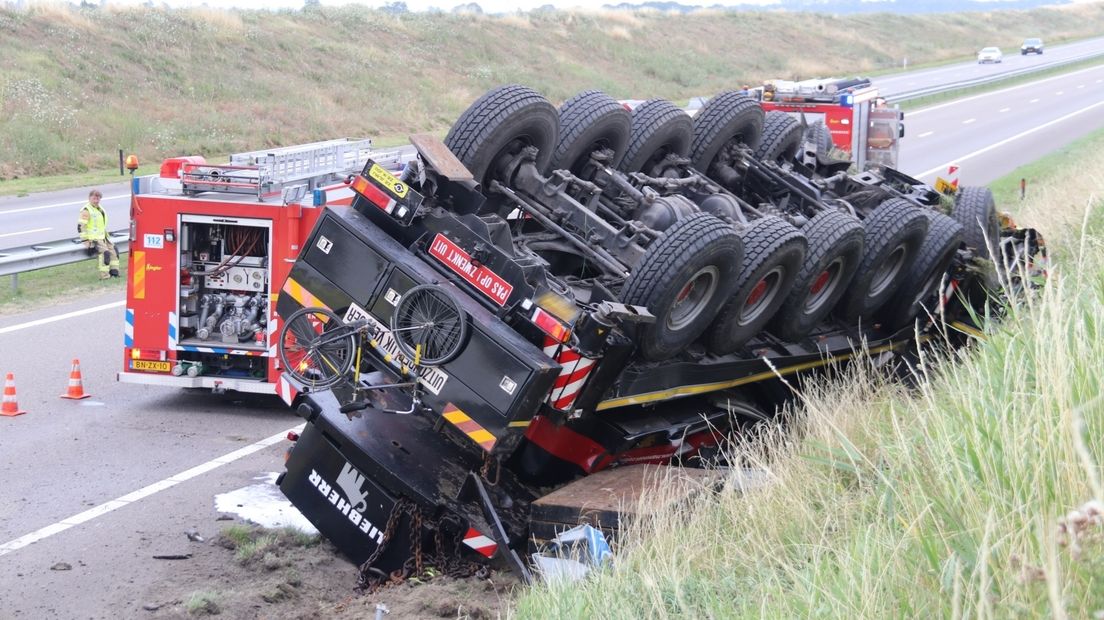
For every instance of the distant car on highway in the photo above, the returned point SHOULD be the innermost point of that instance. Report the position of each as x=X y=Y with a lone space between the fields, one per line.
x=990 y=54
x=1031 y=46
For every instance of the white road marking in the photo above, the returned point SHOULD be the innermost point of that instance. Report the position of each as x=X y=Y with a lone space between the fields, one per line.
x=60 y=317
x=1034 y=101
x=25 y=232
x=968 y=121
x=1002 y=91
x=1004 y=109
x=60 y=204
x=925 y=134
x=144 y=492
x=1080 y=86
x=959 y=160
x=1060 y=93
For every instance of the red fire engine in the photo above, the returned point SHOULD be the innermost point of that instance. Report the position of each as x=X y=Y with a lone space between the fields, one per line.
x=858 y=120
x=210 y=244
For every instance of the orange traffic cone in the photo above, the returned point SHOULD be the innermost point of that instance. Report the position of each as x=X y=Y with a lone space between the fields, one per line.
x=10 y=408
x=76 y=388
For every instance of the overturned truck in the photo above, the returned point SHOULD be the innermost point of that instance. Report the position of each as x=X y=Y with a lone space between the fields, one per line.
x=552 y=293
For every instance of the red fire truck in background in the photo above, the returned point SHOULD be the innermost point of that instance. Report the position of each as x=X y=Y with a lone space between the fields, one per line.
x=210 y=245
x=856 y=117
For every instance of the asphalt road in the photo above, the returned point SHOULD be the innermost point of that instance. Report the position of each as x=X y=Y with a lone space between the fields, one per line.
x=991 y=134
x=106 y=483
x=913 y=80
x=65 y=462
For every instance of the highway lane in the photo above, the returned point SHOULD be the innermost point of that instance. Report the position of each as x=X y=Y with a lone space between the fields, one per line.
x=989 y=135
x=49 y=216
x=64 y=458
x=924 y=78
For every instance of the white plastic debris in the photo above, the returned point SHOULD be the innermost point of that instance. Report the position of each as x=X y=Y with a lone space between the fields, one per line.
x=572 y=554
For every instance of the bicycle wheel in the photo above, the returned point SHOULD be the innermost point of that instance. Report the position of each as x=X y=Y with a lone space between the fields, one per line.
x=429 y=317
x=316 y=347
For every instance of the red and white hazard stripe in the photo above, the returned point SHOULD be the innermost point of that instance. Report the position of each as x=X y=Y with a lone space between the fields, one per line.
x=949 y=292
x=481 y=544
x=574 y=369
x=285 y=391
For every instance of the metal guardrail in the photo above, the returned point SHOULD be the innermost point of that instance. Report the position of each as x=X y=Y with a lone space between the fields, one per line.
x=14 y=261
x=997 y=77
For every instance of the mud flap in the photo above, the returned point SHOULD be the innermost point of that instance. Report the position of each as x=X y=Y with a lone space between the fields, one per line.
x=347 y=475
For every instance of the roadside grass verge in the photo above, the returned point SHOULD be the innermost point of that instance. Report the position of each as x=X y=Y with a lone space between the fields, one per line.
x=969 y=496
x=253 y=544
x=54 y=285
x=923 y=102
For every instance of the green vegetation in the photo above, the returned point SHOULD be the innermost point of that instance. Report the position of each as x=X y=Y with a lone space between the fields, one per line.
x=978 y=494
x=80 y=83
x=56 y=284
x=203 y=603
x=258 y=544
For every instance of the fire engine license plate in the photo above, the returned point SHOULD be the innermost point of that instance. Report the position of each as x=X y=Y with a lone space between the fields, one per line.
x=149 y=366
x=432 y=378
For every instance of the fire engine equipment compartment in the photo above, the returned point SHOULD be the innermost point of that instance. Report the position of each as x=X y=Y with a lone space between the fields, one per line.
x=224 y=301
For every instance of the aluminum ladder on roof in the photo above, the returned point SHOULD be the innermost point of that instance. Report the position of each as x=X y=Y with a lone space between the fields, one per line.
x=272 y=172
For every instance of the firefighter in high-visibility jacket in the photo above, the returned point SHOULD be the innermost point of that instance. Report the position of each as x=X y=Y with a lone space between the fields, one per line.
x=92 y=227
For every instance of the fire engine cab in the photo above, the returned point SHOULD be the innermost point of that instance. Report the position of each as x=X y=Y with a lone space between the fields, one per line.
x=857 y=118
x=210 y=245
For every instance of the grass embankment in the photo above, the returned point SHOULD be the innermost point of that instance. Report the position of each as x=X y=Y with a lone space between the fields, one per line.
x=953 y=500
x=80 y=83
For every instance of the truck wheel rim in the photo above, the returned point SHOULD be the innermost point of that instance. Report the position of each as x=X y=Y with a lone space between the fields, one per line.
x=761 y=296
x=693 y=298
x=886 y=273
x=824 y=286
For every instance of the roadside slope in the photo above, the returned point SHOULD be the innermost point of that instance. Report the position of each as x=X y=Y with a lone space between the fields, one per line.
x=80 y=83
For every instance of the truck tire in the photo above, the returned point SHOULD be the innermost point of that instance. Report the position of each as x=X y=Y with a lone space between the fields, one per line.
x=498 y=125
x=936 y=253
x=835 y=250
x=773 y=252
x=659 y=128
x=782 y=138
x=894 y=232
x=727 y=119
x=590 y=121
x=683 y=279
x=819 y=134
x=316 y=347
x=975 y=209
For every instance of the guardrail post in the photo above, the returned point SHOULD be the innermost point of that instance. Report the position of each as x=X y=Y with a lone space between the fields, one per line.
x=15 y=283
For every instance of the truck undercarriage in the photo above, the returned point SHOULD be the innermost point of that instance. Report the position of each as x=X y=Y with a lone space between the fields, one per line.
x=549 y=294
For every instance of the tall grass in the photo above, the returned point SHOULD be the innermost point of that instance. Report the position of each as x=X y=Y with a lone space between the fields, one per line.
x=974 y=495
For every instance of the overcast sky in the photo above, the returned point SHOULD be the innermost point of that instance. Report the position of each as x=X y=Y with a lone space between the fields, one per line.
x=491 y=6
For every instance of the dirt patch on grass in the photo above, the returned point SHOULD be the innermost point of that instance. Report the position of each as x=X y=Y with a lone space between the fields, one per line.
x=253 y=572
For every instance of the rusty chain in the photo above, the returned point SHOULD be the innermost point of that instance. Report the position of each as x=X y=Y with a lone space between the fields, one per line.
x=451 y=564
x=370 y=578
x=486 y=469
